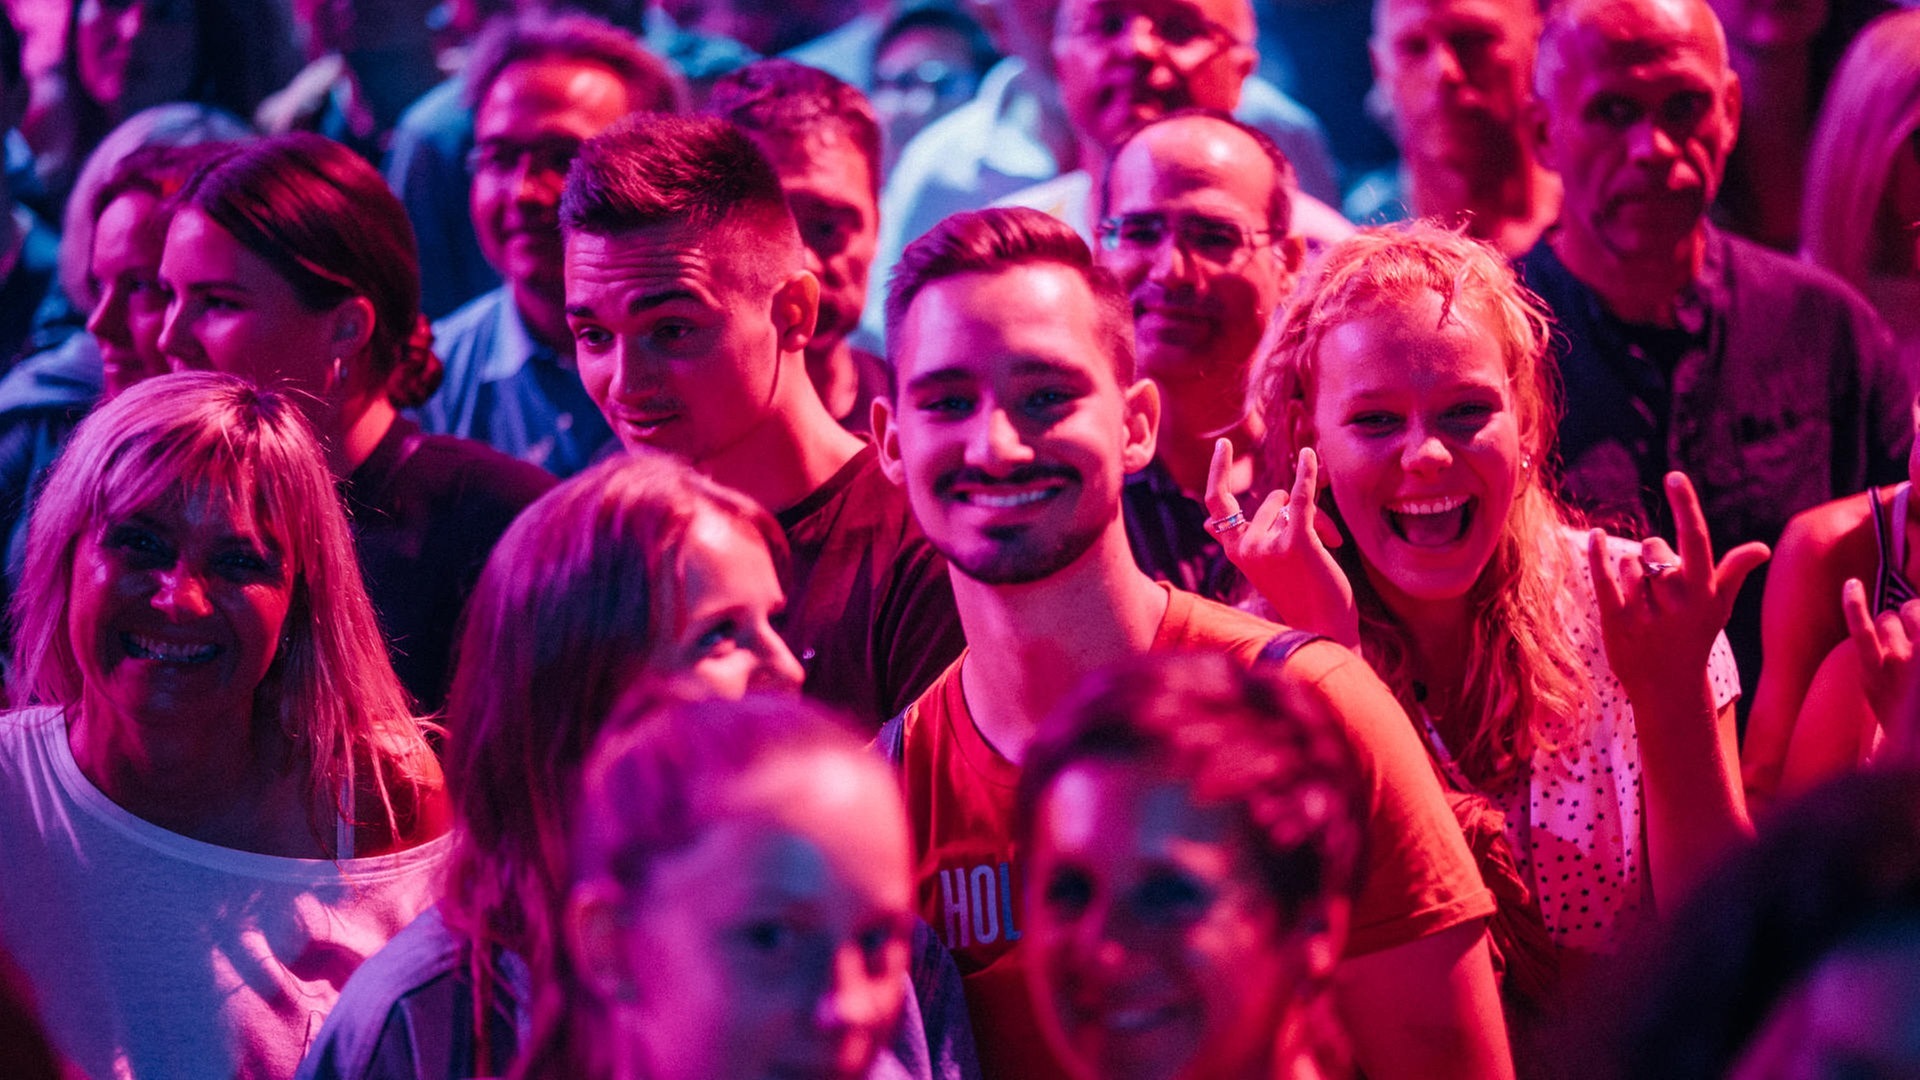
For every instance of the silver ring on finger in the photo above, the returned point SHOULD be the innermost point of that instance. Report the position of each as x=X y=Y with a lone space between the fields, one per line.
x=1286 y=517
x=1655 y=568
x=1220 y=525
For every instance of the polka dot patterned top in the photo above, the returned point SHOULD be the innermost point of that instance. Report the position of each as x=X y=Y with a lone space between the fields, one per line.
x=1575 y=816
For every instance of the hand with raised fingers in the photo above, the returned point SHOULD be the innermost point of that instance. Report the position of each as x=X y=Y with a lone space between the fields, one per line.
x=1661 y=613
x=1283 y=549
x=1888 y=665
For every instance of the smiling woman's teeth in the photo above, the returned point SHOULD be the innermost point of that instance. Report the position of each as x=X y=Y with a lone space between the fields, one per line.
x=1431 y=522
x=146 y=648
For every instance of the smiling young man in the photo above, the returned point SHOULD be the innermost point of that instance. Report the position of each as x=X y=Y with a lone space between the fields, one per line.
x=1014 y=423
x=691 y=308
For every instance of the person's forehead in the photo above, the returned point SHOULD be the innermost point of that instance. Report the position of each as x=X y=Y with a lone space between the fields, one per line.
x=547 y=86
x=1235 y=15
x=1197 y=161
x=1645 y=38
x=642 y=260
x=1503 y=17
x=980 y=323
x=825 y=161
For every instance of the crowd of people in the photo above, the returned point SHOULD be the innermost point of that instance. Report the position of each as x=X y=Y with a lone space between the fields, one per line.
x=922 y=540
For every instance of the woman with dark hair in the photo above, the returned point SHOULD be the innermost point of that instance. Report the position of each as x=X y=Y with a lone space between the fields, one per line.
x=638 y=567
x=290 y=262
x=123 y=56
x=217 y=802
x=740 y=902
x=1193 y=842
x=1579 y=681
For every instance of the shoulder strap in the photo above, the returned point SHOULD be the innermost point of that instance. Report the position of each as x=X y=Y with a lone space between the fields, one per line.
x=892 y=740
x=1285 y=643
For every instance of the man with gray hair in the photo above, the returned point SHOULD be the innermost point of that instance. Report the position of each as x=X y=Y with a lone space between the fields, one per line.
x=1770 y=383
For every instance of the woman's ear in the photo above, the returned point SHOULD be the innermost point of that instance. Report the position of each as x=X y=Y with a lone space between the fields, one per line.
x=353 y=322
x=597 y=933
x=1300 y=430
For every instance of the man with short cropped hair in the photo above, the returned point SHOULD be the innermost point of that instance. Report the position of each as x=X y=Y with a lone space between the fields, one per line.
x=1456 y=77
x=691 y=305
x=539 y=87
x=1015 y=418
x=1016 y=134
x=821 y=136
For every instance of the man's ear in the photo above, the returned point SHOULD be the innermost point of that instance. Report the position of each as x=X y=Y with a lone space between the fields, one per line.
x=1293 y=256
x=1735 y=99
x=1142 y=425
x=597 y=931
x=795 y=307
x=886 y=438
x=1536 y=117
x=1246 y=61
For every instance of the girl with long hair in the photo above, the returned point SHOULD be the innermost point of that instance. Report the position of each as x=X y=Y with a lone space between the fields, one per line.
x=217 y=801
x=637 y=568
x=1580 y=682
x=1862 y=210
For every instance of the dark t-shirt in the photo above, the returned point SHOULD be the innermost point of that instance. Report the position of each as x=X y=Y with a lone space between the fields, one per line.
x=426 y=511
x=1167 y=531
x=870 y=613
x=1779 y=390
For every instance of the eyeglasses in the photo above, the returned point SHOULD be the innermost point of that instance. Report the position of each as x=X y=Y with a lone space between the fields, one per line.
x=1219 y=244
x=1186 y=37
x=542 y=157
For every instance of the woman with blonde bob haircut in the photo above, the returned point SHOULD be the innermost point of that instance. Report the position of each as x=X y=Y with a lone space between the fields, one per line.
x=1862 y=205
x=1551 y=670
x=639 y=567
x=217 y=802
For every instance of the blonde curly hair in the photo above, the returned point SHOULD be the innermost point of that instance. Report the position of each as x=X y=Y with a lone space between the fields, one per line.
x=1522 y=669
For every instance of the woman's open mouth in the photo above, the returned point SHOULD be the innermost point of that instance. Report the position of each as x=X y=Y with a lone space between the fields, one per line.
x=1432 y=523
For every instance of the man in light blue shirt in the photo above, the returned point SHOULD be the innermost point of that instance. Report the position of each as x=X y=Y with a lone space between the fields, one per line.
x=538 y=89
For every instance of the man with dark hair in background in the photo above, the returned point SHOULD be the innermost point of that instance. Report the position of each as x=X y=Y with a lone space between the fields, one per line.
x=691 y=307
x=822 y=139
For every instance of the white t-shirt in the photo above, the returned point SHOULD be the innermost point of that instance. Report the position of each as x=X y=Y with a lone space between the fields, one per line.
x=154 y=955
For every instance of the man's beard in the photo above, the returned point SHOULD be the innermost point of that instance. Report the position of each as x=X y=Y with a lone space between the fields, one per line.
x=1016 y=556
